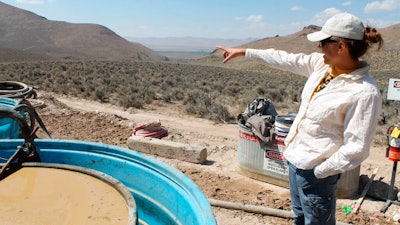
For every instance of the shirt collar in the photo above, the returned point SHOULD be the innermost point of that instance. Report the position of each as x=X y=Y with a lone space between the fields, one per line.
x=356 y=74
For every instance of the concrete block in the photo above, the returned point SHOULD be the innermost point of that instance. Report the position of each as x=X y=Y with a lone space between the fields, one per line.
x=168 y=149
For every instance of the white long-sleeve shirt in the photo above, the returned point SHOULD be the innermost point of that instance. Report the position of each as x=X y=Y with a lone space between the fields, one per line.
x=333 y=130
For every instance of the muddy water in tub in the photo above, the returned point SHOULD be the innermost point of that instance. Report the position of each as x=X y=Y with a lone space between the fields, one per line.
x=41 y=196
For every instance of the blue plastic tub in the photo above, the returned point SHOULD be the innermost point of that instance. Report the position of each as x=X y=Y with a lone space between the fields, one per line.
x=163 y=194
x=9 y=128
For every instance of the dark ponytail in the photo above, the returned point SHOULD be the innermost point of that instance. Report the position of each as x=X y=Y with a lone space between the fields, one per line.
x=358 y=48
x=372 y=36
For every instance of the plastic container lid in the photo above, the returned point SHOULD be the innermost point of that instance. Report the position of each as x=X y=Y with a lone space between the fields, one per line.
x=288 y=119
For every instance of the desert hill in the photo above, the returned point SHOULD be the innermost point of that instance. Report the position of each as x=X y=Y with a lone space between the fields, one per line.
x=391 y=36
x=30 y=36
x=13 y=55
x=296 y=42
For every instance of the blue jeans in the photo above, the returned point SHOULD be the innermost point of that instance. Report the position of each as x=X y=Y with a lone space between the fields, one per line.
x=313 y=199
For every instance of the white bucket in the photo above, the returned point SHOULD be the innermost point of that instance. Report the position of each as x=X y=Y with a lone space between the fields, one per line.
x=281 y=129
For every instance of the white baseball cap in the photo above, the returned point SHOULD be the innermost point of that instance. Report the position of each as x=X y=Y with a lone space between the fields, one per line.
x=343 y=25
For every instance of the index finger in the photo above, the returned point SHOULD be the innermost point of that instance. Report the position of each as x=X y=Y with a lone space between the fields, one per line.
x=221 y=47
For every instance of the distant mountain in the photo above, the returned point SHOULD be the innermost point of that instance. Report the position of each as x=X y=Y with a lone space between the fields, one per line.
x=30 y=37
x=187 y=43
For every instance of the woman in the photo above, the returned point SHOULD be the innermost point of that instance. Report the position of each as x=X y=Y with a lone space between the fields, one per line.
x=337 y=117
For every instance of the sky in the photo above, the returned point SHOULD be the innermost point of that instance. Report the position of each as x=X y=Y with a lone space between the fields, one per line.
x=228 y=19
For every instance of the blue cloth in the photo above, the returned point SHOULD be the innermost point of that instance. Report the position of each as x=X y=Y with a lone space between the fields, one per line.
x=313 y=199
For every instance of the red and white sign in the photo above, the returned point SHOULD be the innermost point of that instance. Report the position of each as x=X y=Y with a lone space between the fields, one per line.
x=394 y=89
x=275 y=155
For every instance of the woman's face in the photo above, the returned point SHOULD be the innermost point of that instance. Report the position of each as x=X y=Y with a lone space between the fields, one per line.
x=330 y=48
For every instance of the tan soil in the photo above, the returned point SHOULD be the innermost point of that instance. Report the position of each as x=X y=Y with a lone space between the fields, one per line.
x=218 y=178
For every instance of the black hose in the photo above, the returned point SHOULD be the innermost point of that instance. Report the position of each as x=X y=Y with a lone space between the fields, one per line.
x=25 y=129
x=30 y=155
x=33 y=116
x=15 y=89
x=29 y=110
x=22 y=91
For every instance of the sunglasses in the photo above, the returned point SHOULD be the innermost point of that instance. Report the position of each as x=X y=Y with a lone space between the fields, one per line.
x=328 y=40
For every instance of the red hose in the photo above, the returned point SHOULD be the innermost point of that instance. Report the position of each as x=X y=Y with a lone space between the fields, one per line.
x=151 y=129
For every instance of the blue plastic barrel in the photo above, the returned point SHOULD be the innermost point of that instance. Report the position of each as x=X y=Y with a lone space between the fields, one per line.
x=9 y=128
x=163 y=194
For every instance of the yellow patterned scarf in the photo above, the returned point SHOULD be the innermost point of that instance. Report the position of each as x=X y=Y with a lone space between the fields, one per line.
x=334 y=72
